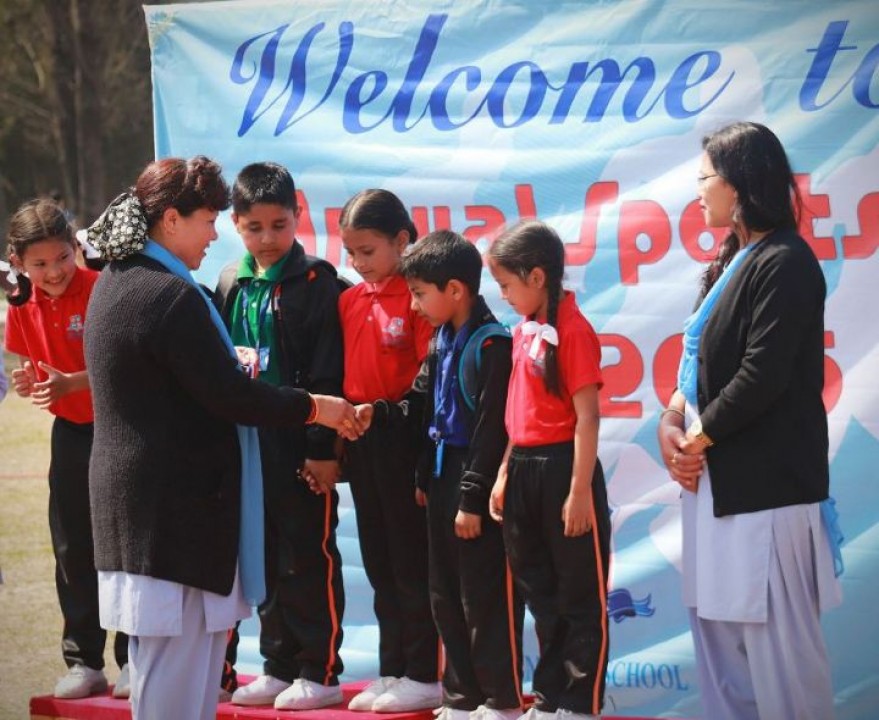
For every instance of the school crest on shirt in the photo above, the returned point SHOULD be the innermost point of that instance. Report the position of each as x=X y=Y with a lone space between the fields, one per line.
x=75 y=327
x=394 y=333
x=536 y=366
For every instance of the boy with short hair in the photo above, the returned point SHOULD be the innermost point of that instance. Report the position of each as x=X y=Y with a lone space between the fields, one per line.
x=281 y=308
x=476 y=609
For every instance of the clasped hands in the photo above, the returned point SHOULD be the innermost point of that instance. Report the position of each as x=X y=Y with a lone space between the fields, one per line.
x=683 y=455
x=45 y=392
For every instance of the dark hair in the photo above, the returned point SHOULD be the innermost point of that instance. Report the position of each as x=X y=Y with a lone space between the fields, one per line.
x=378 y=210
x=442 y=256
x=185 y=185
x=263 y=182
x=525 y=246
x=33 y=222
x=752 y=160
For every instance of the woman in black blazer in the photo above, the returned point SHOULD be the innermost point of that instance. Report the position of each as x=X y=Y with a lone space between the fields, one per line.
x=752 y=461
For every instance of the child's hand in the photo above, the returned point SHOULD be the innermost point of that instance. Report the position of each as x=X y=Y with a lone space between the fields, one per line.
x=420 y=497
x=57 y=384
x=321 y=475
x=468 y=526
x=496 y=499
x=23 y=379
x=338 y=414
x=248 y=360
x=577 y=514
x=364 y=414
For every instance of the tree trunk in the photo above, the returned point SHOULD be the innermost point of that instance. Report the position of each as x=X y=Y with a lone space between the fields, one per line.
x=88 y=62
x=60 y=95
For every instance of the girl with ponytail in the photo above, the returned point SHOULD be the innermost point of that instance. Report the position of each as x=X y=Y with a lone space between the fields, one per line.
x=550 y=492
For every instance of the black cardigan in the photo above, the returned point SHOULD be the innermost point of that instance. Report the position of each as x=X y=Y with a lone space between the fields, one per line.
x=761 y=374
x=165 y=472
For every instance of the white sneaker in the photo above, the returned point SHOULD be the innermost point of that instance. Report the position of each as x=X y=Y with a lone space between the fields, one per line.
x=447 y=713
x=363 y=700
x=122 y=688
x=564 y=714
x=487 y=713
x=406 y=695
x=535 y=714
x=79 y=682
x=261 y=691
x=308 y=695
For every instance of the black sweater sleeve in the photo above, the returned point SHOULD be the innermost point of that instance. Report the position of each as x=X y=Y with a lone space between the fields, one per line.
x=786 y=292
x=489 y=438
x=186 y=341
x=412 y=414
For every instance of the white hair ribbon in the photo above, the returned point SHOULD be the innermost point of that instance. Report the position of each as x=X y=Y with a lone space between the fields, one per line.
x=540 y=331
x=11 y=278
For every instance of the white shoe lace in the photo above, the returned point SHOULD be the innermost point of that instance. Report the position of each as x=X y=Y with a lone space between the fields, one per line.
x=378 y=686
x=447 y=713
x=479 y=713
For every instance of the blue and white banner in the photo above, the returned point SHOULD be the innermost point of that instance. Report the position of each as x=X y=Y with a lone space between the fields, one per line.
x=588 y=115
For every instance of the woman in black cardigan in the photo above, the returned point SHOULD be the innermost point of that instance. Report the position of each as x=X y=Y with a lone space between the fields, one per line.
x=175 y=480
x=752 y=461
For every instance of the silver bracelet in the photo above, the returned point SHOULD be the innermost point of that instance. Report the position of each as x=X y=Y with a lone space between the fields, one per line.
x=672 y=410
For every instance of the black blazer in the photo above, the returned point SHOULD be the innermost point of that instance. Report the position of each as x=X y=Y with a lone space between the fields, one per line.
x=761 y=374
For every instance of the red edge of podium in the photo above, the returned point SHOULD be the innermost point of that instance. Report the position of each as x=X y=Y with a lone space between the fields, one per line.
x=105 y=707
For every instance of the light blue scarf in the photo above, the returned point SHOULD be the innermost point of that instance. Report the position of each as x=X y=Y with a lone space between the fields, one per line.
x=251 y=541
x=688 y=372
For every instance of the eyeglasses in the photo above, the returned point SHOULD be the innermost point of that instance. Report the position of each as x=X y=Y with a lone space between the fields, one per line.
x=702 y=178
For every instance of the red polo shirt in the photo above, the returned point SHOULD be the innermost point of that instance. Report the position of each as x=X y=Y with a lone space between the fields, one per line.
x=385 y=340
x=50 y=330
x=535 y=416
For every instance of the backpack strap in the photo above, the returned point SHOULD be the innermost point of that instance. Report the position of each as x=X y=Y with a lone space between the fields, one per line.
x=471 y=359
x=225 y=283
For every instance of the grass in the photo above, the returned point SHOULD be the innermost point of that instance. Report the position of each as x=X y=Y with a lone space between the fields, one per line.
x=30 y=620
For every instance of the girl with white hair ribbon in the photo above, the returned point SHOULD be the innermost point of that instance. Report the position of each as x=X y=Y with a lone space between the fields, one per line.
x=550 y=490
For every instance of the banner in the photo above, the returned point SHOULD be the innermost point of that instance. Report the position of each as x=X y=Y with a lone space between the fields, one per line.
x=588 y=115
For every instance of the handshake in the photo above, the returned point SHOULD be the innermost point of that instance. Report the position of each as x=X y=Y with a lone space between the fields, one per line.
x=350 y=422
x=346 y=419
x=333 y=412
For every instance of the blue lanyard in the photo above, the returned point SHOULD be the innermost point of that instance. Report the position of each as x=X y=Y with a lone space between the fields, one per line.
x=447 y=411
x=261 y=316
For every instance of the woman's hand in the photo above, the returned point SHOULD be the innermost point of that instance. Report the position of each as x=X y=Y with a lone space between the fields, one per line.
x=577 y=514
x=684 y=461
x=338 y=414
